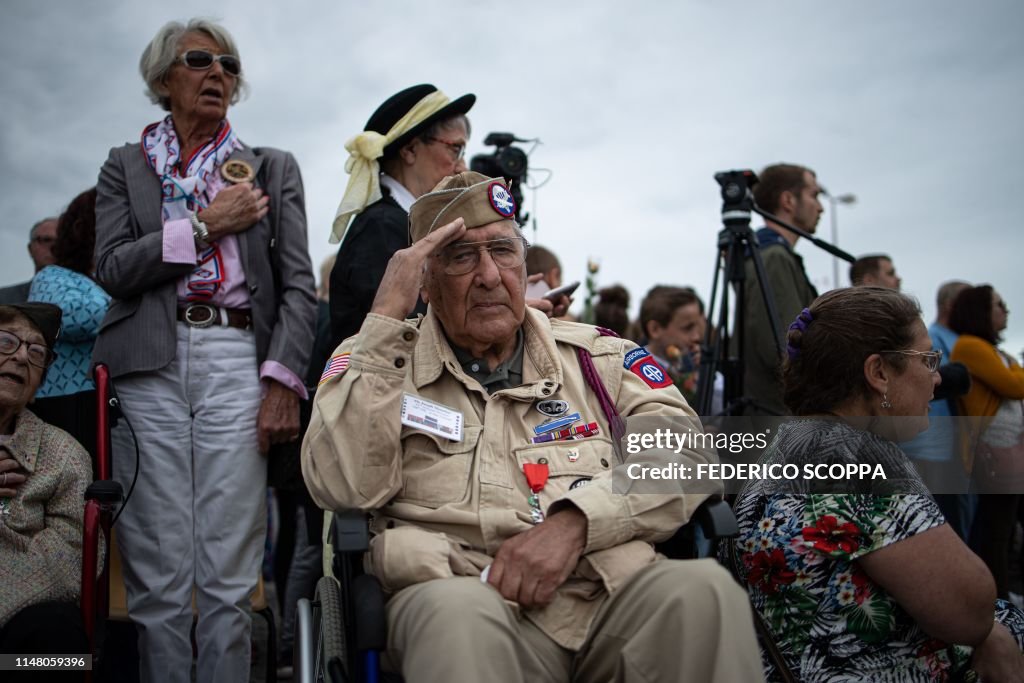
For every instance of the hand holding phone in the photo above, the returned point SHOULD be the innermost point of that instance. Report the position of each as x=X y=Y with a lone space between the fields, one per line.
x=558 y=292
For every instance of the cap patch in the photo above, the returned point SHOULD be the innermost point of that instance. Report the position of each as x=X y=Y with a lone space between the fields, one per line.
x=501 y=199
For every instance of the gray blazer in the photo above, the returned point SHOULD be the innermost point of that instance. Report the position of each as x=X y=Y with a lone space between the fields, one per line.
x=137 y=334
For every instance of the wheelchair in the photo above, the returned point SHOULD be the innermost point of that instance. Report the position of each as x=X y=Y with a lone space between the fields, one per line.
x=103 y=595
x=342 y=631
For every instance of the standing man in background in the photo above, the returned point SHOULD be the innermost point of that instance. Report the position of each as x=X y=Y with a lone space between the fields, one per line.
x=40 y=247
x=789 y=192
x=876 y=270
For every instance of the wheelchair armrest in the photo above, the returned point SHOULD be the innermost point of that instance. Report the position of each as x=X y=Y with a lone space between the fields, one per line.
x=350 y=531
x=716 y=519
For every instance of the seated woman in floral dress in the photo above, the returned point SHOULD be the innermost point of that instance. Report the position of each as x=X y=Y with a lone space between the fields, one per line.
x=868 y=585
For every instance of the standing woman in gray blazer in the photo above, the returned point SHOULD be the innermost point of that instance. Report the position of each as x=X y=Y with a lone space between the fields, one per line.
x=201 y=242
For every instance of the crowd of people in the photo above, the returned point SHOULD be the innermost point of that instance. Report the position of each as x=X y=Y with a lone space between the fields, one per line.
x=433 y=382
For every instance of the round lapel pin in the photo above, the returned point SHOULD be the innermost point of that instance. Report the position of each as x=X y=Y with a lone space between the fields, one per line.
x=237 y=171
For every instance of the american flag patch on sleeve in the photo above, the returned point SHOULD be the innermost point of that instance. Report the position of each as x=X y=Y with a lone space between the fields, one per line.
x=335 y=366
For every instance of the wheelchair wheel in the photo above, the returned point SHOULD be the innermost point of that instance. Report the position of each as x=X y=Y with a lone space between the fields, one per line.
x=331 y=664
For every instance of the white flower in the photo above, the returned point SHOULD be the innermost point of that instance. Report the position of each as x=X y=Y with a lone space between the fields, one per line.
x=846 y=596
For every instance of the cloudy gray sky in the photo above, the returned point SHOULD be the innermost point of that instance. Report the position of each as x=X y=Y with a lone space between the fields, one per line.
x=914 y=106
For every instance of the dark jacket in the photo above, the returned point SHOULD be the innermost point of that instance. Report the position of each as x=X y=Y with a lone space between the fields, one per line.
x=15 y=294
x=791 y=292
x=378 y=232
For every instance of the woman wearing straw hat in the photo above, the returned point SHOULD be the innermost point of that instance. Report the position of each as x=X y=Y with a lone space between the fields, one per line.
x=415 y=139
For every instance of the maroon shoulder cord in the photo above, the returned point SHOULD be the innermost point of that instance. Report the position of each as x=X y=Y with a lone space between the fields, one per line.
x=593 y=379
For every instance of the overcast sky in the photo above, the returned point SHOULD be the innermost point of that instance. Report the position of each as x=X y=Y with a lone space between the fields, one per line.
x=916 y=107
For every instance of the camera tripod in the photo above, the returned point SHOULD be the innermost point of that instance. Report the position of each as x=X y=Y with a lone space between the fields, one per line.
x=736 y=242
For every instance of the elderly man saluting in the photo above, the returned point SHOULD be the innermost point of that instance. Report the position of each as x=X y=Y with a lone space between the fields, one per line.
x=475 y=432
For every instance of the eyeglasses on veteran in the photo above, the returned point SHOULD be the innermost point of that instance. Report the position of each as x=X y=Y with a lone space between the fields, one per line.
x=203 y=59
x=39 y=355
x=463 y=257
x=457 y=148
x=931 y=359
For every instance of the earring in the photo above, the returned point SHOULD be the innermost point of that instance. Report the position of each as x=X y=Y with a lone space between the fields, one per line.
x=885 y=401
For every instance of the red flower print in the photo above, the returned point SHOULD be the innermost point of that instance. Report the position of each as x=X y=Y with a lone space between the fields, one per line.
x=828 y=535
x=768 y=571
x=862 y=586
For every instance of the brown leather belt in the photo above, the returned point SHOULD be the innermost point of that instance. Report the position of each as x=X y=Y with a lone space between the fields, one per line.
x=205 y=315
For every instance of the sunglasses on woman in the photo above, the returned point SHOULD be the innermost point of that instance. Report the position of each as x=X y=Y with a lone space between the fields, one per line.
x=202 y=59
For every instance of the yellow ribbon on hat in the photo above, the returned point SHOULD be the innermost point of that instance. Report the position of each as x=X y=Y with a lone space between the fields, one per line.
x=363 y=168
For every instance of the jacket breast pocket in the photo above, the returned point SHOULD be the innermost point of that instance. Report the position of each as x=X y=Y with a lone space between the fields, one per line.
x=571 y=464
x=436 y=471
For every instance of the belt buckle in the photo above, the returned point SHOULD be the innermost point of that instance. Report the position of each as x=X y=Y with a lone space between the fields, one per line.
x=211 y=312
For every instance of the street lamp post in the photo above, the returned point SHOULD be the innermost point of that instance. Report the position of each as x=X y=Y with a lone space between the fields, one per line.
x=834 y=201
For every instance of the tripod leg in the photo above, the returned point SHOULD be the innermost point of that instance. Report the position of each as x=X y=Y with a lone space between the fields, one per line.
x=713 y=343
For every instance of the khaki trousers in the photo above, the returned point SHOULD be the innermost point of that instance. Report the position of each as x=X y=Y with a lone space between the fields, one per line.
x=673 y=621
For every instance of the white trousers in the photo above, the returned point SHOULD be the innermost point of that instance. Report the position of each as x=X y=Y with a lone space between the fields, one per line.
x=197 y=517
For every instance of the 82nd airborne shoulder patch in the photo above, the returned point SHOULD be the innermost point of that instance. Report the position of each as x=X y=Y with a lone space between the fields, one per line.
x=643 y=365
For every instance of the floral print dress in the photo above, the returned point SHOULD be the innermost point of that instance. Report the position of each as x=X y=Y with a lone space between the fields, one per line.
x=796 y=554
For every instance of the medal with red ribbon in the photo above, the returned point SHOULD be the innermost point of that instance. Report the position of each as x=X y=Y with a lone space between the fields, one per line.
x=536 y=478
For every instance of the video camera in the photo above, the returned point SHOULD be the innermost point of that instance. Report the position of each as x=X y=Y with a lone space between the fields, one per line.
x=736 y=185
x=506 y=161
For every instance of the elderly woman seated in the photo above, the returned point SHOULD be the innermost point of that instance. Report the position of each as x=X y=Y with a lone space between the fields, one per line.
x=43 y=476
x=871 y=584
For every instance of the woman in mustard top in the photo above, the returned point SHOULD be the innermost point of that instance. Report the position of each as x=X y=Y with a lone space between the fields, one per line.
x=997 y=386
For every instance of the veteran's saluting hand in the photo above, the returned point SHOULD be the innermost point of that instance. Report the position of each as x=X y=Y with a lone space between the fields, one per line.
x=403 y=278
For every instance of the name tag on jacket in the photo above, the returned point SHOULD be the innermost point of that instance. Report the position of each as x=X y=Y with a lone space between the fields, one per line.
x=427 y=416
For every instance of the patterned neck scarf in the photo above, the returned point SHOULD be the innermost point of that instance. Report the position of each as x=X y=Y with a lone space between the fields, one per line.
x=184 y=192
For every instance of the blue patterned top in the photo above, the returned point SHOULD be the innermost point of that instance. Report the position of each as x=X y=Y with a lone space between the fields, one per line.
x=84 y=304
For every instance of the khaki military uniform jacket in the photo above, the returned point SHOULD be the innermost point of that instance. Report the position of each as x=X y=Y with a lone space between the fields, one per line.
x=442 y=507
